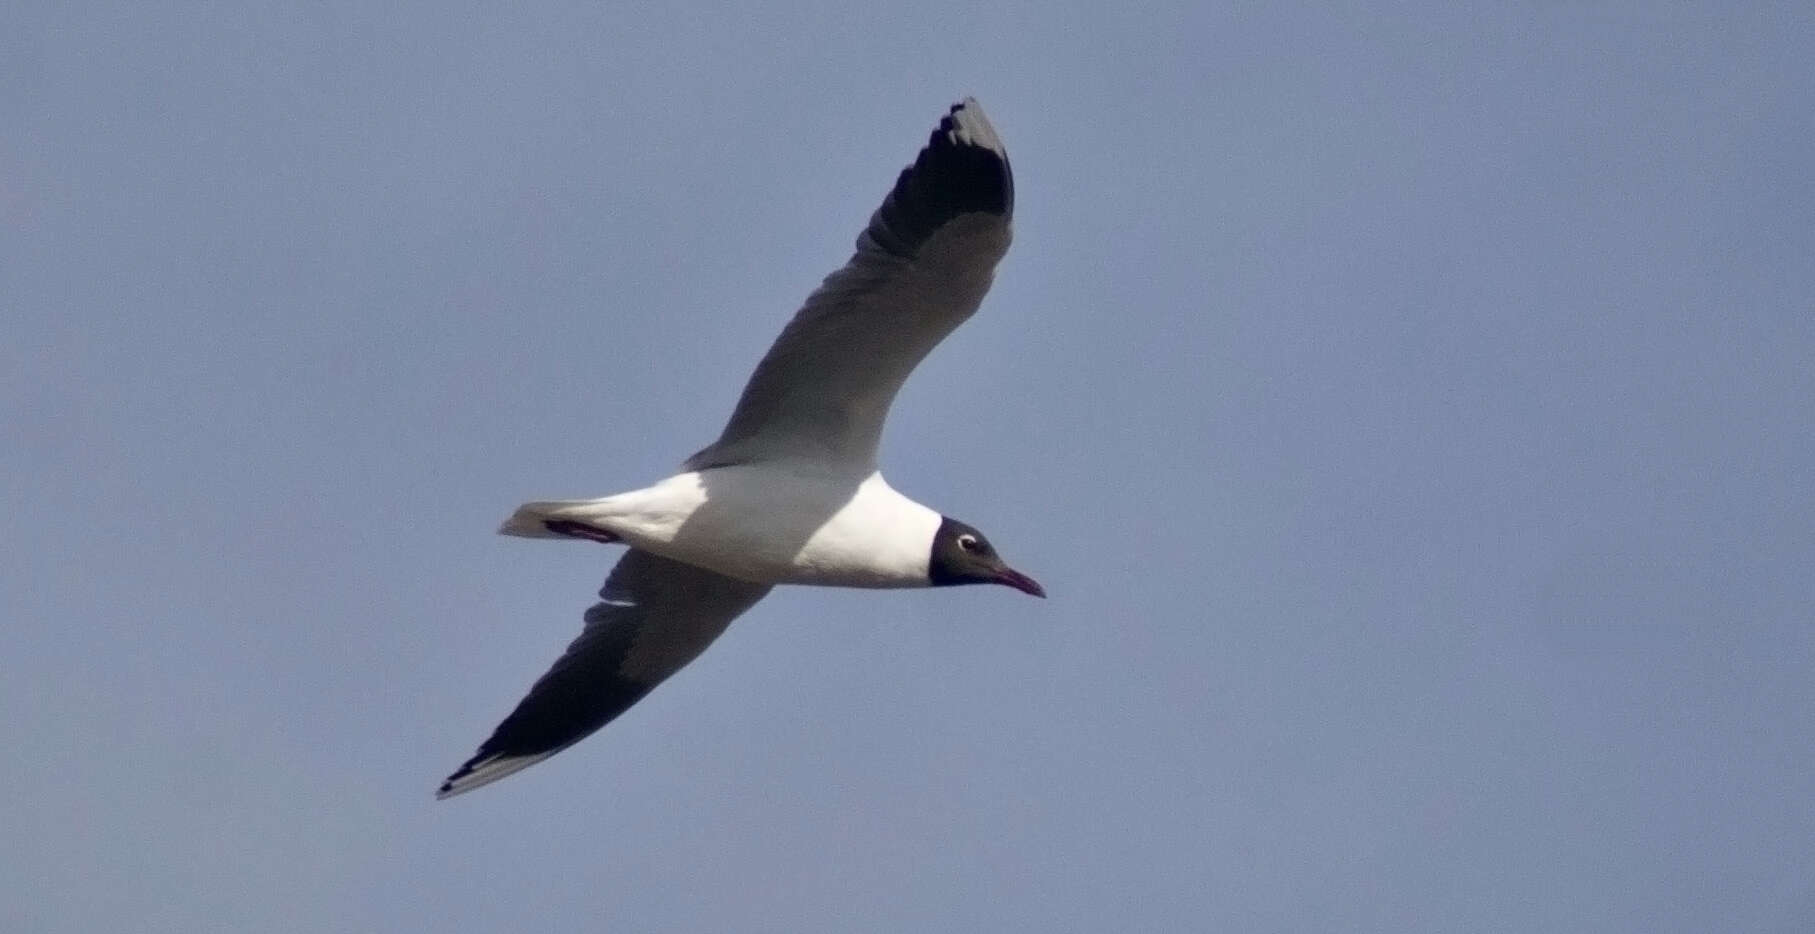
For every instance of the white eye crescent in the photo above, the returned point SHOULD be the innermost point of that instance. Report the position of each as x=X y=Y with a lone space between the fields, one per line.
x=967 y=542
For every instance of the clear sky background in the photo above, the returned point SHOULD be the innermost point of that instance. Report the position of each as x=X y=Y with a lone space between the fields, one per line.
x=1409 y=411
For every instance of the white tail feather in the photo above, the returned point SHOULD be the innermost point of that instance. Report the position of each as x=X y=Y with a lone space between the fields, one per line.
x=531 y=519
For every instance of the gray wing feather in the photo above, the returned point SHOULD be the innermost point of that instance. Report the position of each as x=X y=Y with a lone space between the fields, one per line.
x=654 y=616
x=921 y=269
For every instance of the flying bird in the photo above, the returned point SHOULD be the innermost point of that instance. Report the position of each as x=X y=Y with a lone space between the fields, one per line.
x=790 y=493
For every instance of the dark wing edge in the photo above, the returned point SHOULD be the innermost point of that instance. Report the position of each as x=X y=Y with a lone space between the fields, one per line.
x=654 y=616
x=963 y=171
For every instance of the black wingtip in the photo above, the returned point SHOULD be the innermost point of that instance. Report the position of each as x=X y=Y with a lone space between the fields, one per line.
x=447 y=785
x=968 y=158
x=963 y=169
x=463 y=771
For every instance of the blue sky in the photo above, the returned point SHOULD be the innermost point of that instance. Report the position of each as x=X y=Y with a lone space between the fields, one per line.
x=1409 y=412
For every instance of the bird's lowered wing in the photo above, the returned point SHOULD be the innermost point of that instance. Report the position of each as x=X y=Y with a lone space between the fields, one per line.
x=653 y=617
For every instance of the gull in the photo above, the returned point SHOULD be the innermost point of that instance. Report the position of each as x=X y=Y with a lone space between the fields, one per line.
x=790 y=493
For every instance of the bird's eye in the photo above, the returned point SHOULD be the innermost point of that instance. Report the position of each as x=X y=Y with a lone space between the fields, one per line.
x=968 y=542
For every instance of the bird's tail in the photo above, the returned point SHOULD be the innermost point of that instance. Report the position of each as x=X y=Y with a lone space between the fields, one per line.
x=561 y=518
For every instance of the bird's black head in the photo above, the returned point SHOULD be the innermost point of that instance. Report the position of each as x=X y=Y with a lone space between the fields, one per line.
x=961 y=555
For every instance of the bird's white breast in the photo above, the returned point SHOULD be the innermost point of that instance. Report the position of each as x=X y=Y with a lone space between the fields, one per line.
x=782 y=523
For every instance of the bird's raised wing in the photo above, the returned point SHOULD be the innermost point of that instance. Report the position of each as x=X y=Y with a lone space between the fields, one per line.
x=921 y=268
x=653 y=617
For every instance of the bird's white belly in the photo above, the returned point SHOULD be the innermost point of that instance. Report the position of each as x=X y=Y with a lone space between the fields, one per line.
x=770 y=524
